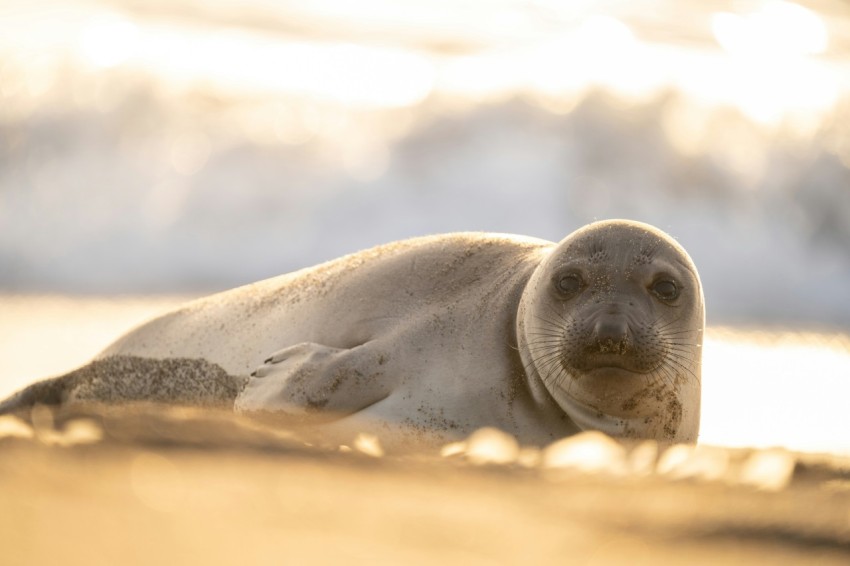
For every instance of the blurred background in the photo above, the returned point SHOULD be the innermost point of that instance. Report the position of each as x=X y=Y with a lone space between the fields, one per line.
x=175 y=147
x=187 y=146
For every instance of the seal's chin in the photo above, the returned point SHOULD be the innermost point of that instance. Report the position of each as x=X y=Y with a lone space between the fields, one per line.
x=609 y=382
x=606 y=389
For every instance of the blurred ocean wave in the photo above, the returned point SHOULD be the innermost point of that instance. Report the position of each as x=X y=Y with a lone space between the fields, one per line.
x=118 y=177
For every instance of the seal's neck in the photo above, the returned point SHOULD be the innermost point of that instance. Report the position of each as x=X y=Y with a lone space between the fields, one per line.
x=538 y=389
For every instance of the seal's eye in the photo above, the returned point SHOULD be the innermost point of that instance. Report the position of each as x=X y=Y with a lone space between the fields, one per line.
x=569 y=284
x=665 y=289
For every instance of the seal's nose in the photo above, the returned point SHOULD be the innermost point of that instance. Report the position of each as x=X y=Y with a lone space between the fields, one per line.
x=611 y=334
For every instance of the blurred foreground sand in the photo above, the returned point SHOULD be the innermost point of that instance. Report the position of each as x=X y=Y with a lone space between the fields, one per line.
x=188 y=488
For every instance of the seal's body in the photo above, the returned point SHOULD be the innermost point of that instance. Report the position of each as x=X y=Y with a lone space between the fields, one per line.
x=412 y=338
x=429 y=339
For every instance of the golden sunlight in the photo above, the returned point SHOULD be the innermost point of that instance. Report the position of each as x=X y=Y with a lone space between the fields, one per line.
x=602 y=51
x=239 y=62
x=803 y=406
x=109 y=40
x=772 y=62
x=777 y=29
x=769 y=70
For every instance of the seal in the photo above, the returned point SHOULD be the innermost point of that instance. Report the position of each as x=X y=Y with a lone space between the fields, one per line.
x=611 y=324
x=426 y=340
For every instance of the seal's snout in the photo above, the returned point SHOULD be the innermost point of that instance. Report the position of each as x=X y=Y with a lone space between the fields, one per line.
x=611 y=335
x=609 y=341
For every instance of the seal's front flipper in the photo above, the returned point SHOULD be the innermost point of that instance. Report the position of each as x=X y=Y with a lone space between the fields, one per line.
x=318 y=382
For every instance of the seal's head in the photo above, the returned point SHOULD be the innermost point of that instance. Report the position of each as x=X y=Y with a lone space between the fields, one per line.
x=611 y=324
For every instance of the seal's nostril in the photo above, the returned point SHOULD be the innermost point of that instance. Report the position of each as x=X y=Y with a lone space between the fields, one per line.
x=612 y=329
x=610 y=335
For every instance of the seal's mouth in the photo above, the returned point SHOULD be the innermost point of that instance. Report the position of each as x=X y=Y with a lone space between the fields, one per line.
x=600 y=363
x=611 y=371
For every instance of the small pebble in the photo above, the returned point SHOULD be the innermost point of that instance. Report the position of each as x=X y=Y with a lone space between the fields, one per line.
x=589 y=451
x=491 y=446
x=673 y=457
x=769 y=470
x=529 y=457
x=81 y=431
x=453 y=449
x=369 y=444
x=642 y=458
x=42 y=421
x=13 y=427
x=686 y=461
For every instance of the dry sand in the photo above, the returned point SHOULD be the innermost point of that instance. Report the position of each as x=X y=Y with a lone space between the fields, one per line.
x=141 y=486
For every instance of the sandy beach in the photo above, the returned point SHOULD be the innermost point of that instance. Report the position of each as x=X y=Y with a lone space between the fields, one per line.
x=180 y=487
